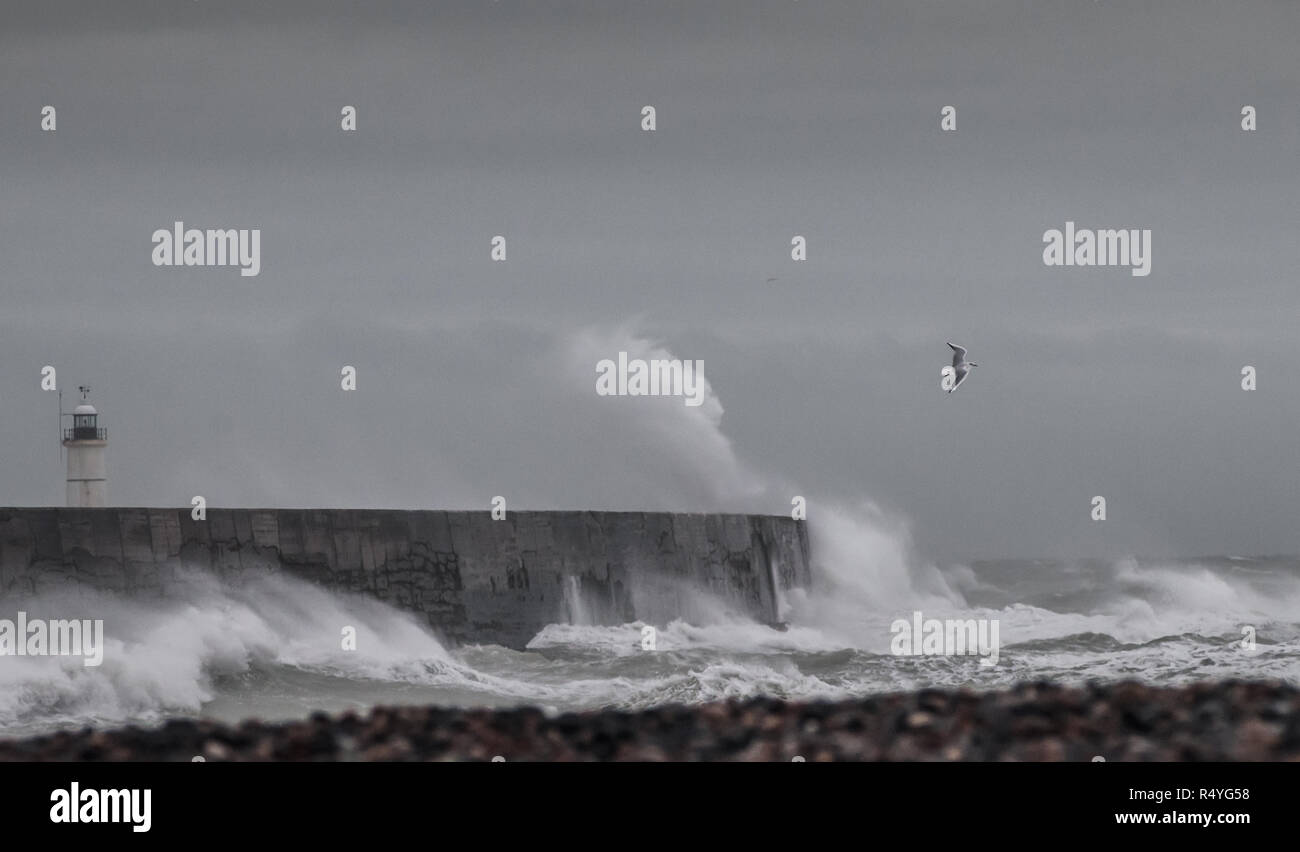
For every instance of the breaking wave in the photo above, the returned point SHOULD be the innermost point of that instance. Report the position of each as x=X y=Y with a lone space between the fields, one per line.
x=273 y=648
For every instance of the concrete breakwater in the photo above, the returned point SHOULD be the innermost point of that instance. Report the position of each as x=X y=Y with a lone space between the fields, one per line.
x=475 y=579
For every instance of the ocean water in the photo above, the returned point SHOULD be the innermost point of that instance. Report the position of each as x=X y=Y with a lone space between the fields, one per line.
x=272 y=648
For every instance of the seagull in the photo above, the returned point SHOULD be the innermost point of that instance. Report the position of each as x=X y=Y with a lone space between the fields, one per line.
x=960 y=366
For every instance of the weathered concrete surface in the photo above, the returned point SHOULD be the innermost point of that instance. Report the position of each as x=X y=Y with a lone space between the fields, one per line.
x=476 y=580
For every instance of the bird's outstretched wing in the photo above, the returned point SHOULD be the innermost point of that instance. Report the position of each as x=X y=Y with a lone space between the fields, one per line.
x=958 y=354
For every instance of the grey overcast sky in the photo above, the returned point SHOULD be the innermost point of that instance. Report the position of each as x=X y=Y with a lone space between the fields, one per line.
x=815 y=118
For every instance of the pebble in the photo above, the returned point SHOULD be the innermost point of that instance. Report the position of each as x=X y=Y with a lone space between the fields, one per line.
x=1216 y=721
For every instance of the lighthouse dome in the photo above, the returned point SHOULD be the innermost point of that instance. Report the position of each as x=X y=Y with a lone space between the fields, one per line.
x=84 y=408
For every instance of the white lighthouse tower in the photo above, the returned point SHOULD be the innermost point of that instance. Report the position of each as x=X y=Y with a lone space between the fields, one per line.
x=86 y=442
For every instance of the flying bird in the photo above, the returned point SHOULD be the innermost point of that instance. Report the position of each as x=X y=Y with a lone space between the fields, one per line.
x=960 y=366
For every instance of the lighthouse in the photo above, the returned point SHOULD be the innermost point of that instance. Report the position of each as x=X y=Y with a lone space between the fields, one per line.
x=86 y=442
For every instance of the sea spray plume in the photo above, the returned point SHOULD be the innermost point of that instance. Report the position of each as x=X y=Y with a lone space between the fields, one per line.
x=865 y=573
x=680 y=458
x=862 y=556
x=1169 y=598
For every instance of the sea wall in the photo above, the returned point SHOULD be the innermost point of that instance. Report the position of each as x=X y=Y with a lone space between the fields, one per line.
x=475 y=579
